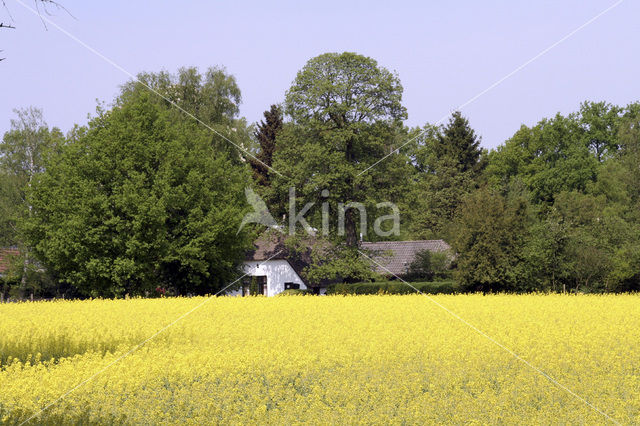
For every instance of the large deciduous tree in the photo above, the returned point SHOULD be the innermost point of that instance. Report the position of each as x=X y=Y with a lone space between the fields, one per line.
x=143 y=198
x=559 y=154
x=345 y=114
x=23 y=153
x=213 y=98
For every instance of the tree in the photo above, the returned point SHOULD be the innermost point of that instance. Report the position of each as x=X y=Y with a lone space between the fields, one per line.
x=551 y=157
x=266 y=135
x=458 y=144
x=23 y=153
x=346 y=114
x=547 y=266
x=450 y=163
x=10 y=209
x=142 y=199
x=600 y=122
x=338 y=262
x=212 y=97
x=492 y=232
x=629 y=155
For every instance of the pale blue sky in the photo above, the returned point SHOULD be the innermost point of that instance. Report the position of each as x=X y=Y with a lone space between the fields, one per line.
x=444 y=53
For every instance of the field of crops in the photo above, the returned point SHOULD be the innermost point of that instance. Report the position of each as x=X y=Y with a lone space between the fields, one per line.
x=354 y=359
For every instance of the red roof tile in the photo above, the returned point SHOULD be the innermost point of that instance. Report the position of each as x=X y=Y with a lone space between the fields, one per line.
x=6 y=255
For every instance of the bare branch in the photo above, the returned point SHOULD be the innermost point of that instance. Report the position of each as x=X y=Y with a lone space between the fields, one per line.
x=8 y=11
x=53 y=3
x=37 y=4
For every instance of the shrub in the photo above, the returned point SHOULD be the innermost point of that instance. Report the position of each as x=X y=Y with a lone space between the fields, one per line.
x=294 y=292
x=428 y=266
x=394 y=287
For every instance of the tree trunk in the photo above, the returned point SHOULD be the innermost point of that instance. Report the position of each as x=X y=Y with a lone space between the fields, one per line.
x=350 y=229
x=23 y=280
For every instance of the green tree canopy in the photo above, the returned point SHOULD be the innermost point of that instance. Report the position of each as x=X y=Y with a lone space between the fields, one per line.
x=345 y=114
x=212 y=97
x=23 y=154
x=449 y=164
x=265 y=135
x=139 y=200
x=490 y=240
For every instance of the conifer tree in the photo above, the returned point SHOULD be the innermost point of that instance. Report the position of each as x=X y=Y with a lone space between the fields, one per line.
x=458 y=145
x=453 y=164
x=265 y=135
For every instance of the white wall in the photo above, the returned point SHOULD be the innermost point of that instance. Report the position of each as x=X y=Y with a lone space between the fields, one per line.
x=277 y=271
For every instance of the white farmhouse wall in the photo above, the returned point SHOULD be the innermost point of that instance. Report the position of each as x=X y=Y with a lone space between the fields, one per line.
x=277 y=271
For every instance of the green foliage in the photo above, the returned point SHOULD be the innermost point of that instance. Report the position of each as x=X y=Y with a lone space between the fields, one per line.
x=559 y=154
x=140 y=199
x=346 y=114
x=546 y=256
x=600 y=122
x=394 y=287
x=581 y=176
x=490 y=240
x=24 y=151
x=429 y=265
x=449 y=162
x=254 y=288
x=458 y=145
x=338 y=262
x=266 y=135
x=213 y=97
x=12 y=208
x=294 y=292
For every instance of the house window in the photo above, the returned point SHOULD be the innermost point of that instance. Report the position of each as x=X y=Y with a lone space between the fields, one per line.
x=254 y=285
x=291 y=286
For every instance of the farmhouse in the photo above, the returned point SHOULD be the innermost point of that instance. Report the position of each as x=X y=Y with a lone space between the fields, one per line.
x=274 y=268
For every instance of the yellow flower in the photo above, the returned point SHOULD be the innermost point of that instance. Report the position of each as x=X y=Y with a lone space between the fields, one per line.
x=365 y=359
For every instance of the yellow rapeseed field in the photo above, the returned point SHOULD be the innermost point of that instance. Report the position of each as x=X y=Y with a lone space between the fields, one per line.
x=355 y=359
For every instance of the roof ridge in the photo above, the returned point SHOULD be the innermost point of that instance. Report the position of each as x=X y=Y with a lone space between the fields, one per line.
x=402 y=241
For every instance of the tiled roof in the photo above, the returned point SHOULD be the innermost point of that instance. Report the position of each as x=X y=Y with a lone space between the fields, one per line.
x=396 y=256
x=6 y=254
